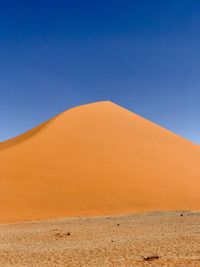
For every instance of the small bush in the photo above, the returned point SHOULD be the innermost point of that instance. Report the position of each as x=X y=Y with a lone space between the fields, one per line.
x=62 y=235
x=151 y=258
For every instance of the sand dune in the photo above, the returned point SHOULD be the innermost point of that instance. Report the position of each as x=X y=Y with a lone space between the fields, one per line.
x=97 y=159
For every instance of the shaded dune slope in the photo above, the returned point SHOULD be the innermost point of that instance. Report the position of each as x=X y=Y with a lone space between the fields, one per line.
x=97 y=159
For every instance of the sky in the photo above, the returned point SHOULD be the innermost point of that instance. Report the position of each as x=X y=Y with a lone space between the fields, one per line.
x=143 y=55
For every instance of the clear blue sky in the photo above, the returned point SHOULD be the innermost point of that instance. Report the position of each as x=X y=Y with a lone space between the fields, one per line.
x=143 y=55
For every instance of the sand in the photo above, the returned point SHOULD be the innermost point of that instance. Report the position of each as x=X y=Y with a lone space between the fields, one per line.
x=104 y=241
x=97 y=159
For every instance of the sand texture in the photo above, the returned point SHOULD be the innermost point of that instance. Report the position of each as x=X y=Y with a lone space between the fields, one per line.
x=97 y=159
x=107 y=241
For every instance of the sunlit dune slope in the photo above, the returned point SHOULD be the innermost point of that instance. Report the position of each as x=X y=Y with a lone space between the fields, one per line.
x=97 y=159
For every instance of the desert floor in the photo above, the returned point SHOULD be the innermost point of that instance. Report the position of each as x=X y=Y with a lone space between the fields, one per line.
x=174 y=237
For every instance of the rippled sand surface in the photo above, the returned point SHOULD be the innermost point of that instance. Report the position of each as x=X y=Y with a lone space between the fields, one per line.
x=148 y=239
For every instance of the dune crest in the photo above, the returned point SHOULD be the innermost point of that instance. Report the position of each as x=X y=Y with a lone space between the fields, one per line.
x=97 y=159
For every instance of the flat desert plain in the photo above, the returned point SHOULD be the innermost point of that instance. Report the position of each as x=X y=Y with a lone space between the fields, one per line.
x=147 y=239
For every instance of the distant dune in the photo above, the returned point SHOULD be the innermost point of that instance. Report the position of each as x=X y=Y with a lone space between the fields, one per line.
x=97 y=159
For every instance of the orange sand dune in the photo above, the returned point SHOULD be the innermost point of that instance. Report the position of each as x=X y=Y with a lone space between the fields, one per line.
x=97 y=159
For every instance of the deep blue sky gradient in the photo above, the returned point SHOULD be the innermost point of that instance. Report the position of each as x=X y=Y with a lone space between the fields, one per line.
x=143 y=55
